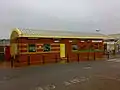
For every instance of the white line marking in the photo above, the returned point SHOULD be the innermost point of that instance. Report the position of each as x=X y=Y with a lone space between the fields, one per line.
x=48 y=87
x=66 y=83
x=39 y=88
x=75 y=81
x=113 y=60
x=106 y=77
x=87 y=67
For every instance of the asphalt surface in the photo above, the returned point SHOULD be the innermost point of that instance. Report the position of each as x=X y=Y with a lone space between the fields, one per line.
x=92 y=75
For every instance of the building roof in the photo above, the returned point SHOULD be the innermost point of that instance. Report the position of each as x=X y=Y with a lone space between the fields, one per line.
x=4 y=42
x=116 y=36
x=55 y=34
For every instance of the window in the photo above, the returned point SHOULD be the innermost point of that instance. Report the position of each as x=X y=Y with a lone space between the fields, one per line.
x=46 y=47
x=74 y=47
x=32 y=48
x=96 y=46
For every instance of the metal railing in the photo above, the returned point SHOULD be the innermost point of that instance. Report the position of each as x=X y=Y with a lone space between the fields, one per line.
x=68 y=58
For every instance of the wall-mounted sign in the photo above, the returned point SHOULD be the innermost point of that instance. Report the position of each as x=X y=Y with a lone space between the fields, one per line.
x=70 y=41
x=96 y=40
x=56 y=41
x=82 y=41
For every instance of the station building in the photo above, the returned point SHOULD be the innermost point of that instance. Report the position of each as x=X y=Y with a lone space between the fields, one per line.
x=29 y=46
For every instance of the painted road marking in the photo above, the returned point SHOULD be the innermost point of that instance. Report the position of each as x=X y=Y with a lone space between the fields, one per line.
x=107 y=77
x=39 y=88
x=65 y=83
x=74 y=81
x=47 y=87
x=87 y=67
x=113 y=60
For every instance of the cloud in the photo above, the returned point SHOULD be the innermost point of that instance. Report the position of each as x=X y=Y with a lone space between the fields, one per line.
x=77 y=15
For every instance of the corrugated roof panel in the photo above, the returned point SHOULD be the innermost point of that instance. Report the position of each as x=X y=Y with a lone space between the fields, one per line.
x=50 y=33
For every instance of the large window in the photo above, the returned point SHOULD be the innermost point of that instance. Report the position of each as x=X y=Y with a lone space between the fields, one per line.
x=46 y=47
x=32 y=48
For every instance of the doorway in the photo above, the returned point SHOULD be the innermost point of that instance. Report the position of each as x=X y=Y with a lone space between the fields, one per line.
x=62 y=50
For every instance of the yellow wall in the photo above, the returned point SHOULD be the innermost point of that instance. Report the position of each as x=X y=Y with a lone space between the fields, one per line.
x=62 y=50
x=13 y=49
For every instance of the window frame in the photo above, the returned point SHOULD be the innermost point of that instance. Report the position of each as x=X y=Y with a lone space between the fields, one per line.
x=29 y=48
x=44 y=46
x=75 y=45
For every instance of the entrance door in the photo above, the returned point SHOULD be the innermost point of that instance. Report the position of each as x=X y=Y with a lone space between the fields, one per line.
x=62 y=50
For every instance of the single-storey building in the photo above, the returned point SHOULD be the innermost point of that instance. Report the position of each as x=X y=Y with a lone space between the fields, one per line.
x=114 y=43
x=4 y=49
x=45 y=46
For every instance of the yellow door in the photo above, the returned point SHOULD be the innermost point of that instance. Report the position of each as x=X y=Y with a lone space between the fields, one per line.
x=62 y=50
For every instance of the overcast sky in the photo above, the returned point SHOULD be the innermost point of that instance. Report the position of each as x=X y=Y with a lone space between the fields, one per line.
x=77 y=15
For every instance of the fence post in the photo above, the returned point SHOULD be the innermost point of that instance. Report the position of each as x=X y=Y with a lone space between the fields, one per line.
x=88 y=56
x=113 y=52
x=67 y=58
x=56 y=58
x=94 y=56
x=78 y=57
x=108 y=55
x=43 y=58
x=28 y=59
x=12 y=61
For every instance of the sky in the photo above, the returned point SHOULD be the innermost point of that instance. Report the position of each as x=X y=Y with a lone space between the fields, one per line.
x=69 y=15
